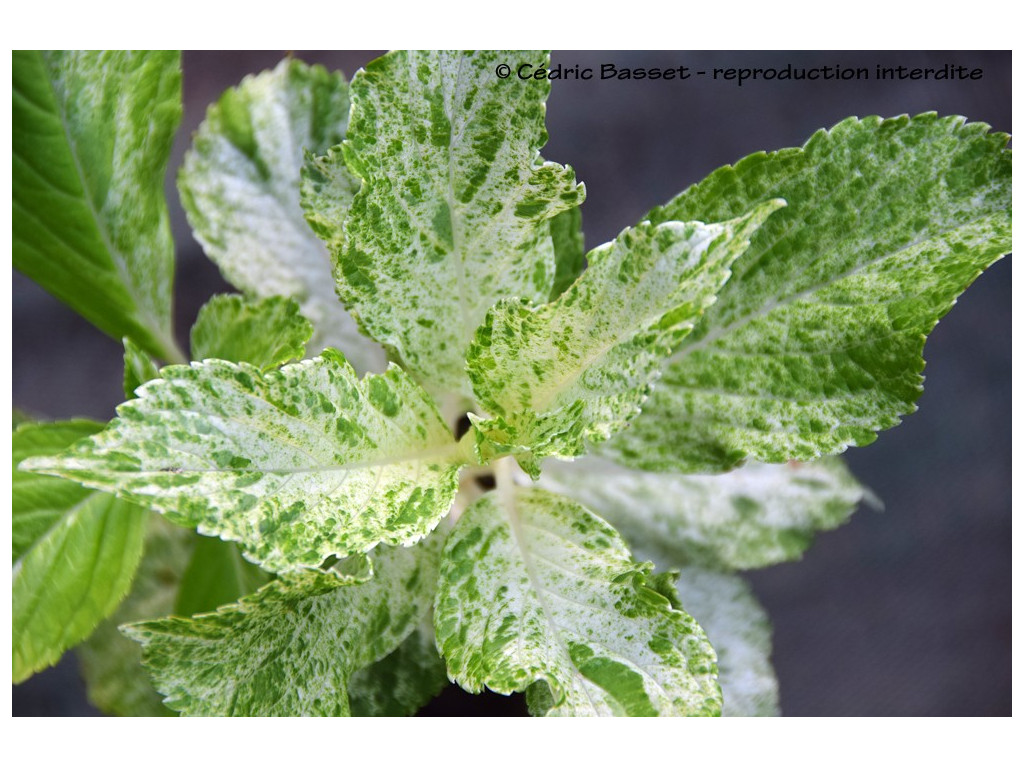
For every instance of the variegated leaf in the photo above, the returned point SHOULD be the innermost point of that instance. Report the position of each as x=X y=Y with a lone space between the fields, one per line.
x=265 y=333
x=181 y=573
x=533 y=587
x=296 y=464
x=92 y=133
x=240 y=189
x=754 y=516
x=602 y=342
x=815 y=343
x=454 y=208
x=291 y=648
x=741 y=634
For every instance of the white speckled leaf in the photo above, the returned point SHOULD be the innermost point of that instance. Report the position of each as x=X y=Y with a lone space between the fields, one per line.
x=92 y=133
x=741 y=634
x=291 y=648
x=75 y=551
x=602 y=342
x=754 y=516
x=265 y=333
x=326 y=193
x=815 y=343
x=533 y=587
x=453 y=182
x=296 y=464
x=240 y=189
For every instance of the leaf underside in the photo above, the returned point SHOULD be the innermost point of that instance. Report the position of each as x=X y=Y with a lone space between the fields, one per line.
x=740 y=633
x=752 y=517
x=216 y=575
x=568 y=243
x=138 y=367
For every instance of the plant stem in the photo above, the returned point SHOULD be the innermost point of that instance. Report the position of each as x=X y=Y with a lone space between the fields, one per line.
x=172 y=352
x=504 y=479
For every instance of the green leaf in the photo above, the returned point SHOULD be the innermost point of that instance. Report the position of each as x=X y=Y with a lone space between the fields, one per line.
x=138 y=367
x=452 y=180
x=815 y=343
x=92 y=133
x=40 y=502
x=754 y=516
x=291 y=648
x=326 y=192
x=567 y=240
x=602 y=342
x=296 y=464
x=240 y=189
x=741 y=634
x=533 y=587
x=216 y=575
x=402 y=682
x=75 y=552
x=111 y=664
x=264 y=333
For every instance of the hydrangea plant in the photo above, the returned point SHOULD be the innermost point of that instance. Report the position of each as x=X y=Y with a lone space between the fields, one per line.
x=432 y=438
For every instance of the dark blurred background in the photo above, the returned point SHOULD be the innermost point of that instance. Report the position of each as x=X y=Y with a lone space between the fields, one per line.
x=904 y=612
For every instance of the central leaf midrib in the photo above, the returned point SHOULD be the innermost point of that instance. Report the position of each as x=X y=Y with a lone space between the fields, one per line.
x=543 y=399
x=437 y=452
x=604 y=609
x=507 y=496
x=583 y=365
x=97 y=551
x=285 y=195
